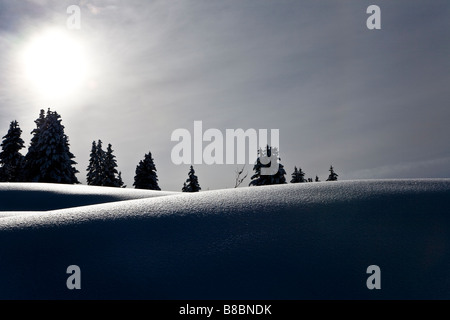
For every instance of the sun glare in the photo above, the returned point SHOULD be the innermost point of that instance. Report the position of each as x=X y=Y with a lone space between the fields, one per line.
x=55 y=63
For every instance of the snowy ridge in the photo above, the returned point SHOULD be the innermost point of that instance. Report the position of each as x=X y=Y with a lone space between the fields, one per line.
x=50 y=196
x=296 y=241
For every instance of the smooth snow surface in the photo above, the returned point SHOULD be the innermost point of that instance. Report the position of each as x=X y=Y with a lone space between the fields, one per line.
x=49 y=196
x=295 y=241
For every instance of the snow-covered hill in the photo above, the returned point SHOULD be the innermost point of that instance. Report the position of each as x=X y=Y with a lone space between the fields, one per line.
x=49 y=196
x=302 y=241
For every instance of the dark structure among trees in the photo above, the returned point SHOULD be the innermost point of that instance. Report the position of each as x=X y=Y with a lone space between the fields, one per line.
x=333 y=176
x=191 y=184
x=146 y=177
x=269 y=155
x=11 y=160
x=238 y=178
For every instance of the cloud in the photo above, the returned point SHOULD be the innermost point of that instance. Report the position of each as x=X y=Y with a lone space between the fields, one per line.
x=364 y=101
x=419 y=169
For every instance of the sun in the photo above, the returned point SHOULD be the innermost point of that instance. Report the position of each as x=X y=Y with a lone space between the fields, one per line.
x=55 y=63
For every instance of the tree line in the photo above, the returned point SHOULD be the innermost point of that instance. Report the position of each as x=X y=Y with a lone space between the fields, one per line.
x=49 y=160
x=298 y=176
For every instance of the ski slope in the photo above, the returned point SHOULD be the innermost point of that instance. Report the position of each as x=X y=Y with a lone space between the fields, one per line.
x=295 y=241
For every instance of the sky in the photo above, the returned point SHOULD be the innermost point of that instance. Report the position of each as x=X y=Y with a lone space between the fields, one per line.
x=375 y=104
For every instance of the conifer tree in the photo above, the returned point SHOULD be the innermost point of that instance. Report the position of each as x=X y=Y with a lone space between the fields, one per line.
x=333 y=176
x=317 y=179
x=146 y=177
x=49 y=158
x=120 y=183
x=102 y=167
x=3 y=176
x=259 y=179
x=31 y=167
x=11 y=159
x=101 y=155
x=298 y=176
x=94 y=175
x=91 y=174
x=191 y=184
x=110 y=172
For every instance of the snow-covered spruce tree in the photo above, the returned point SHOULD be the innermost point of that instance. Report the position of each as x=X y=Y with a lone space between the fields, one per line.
x=260 y=180
x=3 y=176
x=91 y=174
x=146 y=177
x=102 y=167
x=49 y=158
x=298 y=176
x=120 y=183
x=191 y=184
x=110 y=173
x=31 y=168
x=100 y=164
x=333 y=176
x=11 y=159
x=94 y=169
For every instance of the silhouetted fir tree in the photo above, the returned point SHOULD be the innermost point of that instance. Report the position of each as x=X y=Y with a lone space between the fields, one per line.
x=31 y=167
x=146 y=177
x=258 y=179
x=11 y=159
x=102 y=167
x=101 y=155
x=317 y=179
x=109 y=169
x=191 y=184
x=3 y=176
x=50 y=159
x=310 y=180
x=333 y=176
x=91 y=174
x=298 y=176
x=94 y=169
x=120 y=181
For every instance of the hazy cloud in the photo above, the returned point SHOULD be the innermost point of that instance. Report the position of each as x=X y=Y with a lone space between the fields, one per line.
x=369 y=102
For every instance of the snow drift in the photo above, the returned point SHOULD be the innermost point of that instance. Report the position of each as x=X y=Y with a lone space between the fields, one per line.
x=297 y=241
x=49 y=196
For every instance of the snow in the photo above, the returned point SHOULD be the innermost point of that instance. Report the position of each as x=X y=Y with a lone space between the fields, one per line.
x=49 y=196
x=294 y=241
